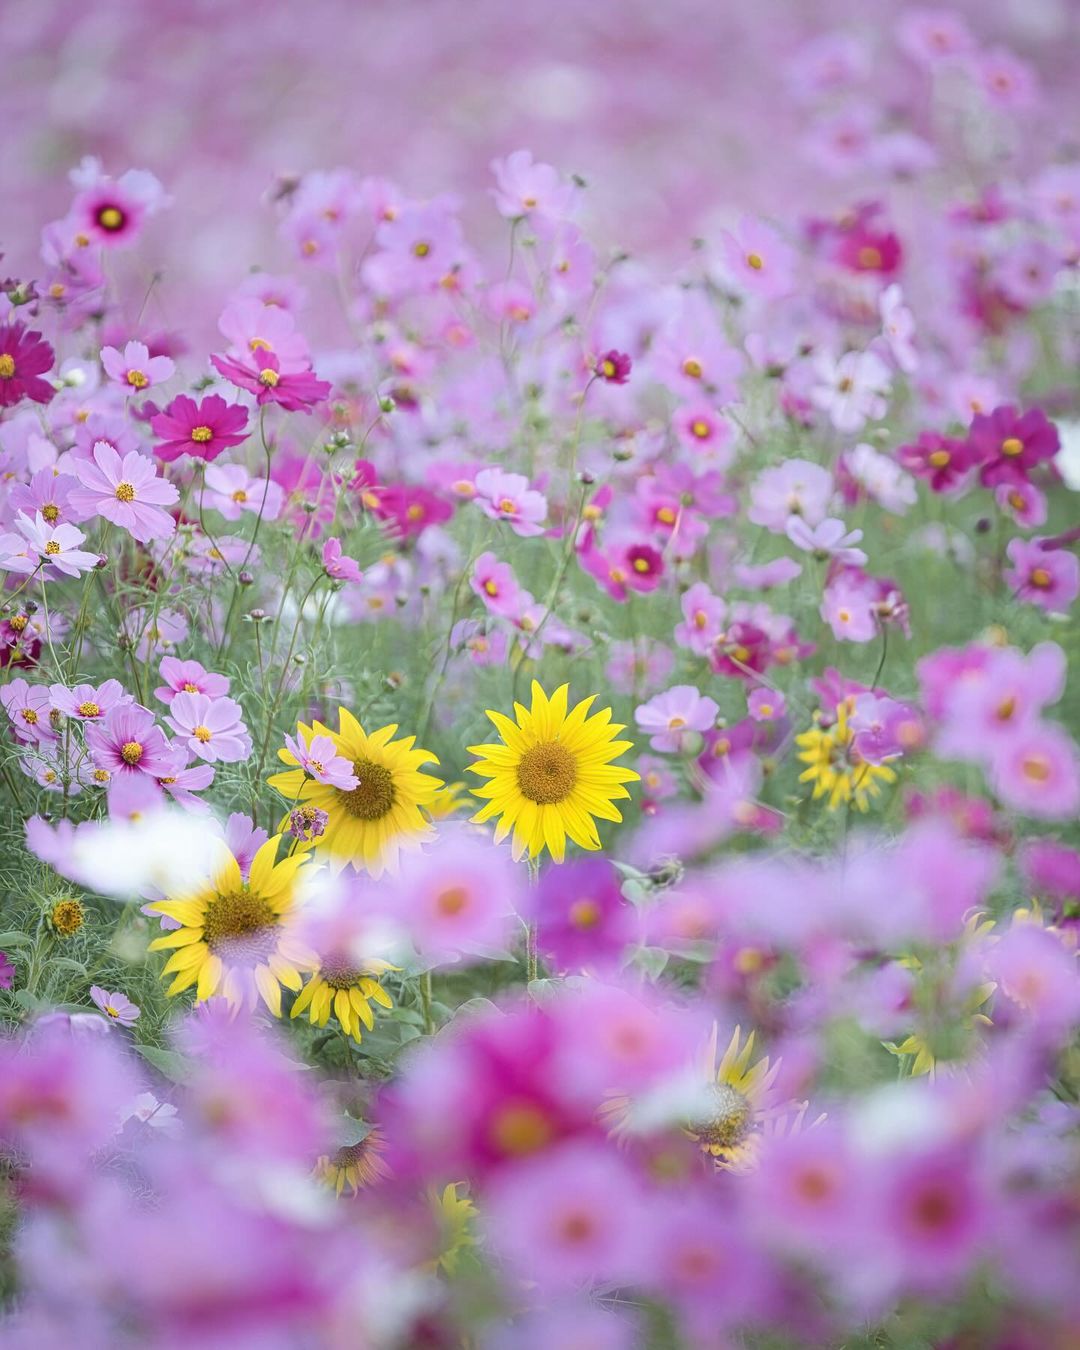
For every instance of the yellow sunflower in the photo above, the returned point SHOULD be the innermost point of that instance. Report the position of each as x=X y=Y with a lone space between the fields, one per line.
x=552 y=775
x=836 y=769
x=355 y=1166
x=369 y=824
x=237 y=937
x=347 y=989
x=741 y=1105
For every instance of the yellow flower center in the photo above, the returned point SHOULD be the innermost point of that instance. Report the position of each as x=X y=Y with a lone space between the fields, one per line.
x=420 y=249
x=110 y=218
x=125 y=492
x=520 y=1129
x=201 y=434
x=869 y=256
x=666 y=516
x=269 y=378
x=415 y=512
x=190 y=688
x=700 y=429
x=373 y=798
x=508 y=506
x=239 y=495
x=607 y=368
x=131 y=752
x=641 y=565
x=1012 y=447
x=7 y=365
x=755 y=260
x=491 y=588
x=241 y=926
x=18 y=622
x=51 y=512
x=1041 y=578
x=67 y=917
x=89 y=710
x=101 y=775
x=692 y=367
x=1036 y=767
x=201 y=734
x=136 y=379
x=52 y=548
x=937 y=459
x=452 y=902
x=547 y=773
x=729 y=1118
x=584 y=914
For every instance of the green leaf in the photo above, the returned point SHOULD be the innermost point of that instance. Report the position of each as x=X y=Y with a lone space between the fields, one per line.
x=168 y=1062
x=15 y=938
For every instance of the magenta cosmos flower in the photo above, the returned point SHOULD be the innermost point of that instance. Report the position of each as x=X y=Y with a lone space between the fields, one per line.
x=126 y=491
x=202 y=430
x=134 y=369
x=117 y=1007
x=24 y=358
x=213 y=729
x=1049 y=578
x=670 y=716
x=1009 y=444
x=945 y=463
x=583 y=922
x=295 y=391
x=494 y=582
x=128 y=741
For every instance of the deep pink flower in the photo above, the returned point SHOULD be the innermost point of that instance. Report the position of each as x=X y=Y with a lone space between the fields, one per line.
x=7 y=971
x=1008 y=444
x=202 y=430
x=944 y=462
x=24 y=358
x=126 y=491
x=583 y=922
x=613 y=367
x=411 y=508
x=261 y=374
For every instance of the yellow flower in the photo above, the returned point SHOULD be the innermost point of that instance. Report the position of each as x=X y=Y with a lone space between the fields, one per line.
x=355 y=1165
x=66 y=918
x=346 y=989
x=451 y=799
x=741 y=1107
x=236 y=937
x=454 y=1215
x=552 y=775
x=369 y=824
x=836 y=769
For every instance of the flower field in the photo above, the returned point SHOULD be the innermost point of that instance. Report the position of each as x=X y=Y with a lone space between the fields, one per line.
x=539 y=697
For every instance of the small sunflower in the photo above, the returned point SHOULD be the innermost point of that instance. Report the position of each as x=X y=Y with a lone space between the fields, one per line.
x=346 y=989
x=455 y=1215
x=368 y=824
x=235 y=936
x=552 y=775
x=66 y=918
x=836 y=769
x=741 y=1106
x=355 y=1166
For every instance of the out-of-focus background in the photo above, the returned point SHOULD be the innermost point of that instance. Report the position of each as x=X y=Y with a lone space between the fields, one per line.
x=676 y=112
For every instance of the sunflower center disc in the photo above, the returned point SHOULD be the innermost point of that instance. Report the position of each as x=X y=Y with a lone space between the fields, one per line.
x=728 y=1120
x=374 y=796
x=240 y=926
x=547 y=773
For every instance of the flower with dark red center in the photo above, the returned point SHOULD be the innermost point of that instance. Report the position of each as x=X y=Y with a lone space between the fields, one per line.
x=613 y=366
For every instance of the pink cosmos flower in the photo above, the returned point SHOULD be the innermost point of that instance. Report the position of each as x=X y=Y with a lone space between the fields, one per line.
x=766 y=705
x=126 y=491
x=47 y=492
x=421 y=249
x=494 y=582
x=1049 y=578
x=759 y=259
x=944 y=462
x=828 y=539
x=252 y=326
x=117 y=1007
x=669 y=717
x=188 y=677
x=202 y=430
x=508 y=497
x=213 y=729
x=1004 y=78
x=87 y=703
x=701 y=428
x=321 y=761
x=1023 y=502
x=24 y=359
x=28 y=708
x=898 y=328
x=852 y=389
x=571 y=1215
x=232 y=490
x=932 y=1216
x=339 y=565
x=457 y=899
x=46 y=546
x=1037 y=772
x=185 y=779
x=134 y=369
x=127 y=741
x=613 y=367
x=583 y=922
x=1008 y=444
x=1033 y=968
x=766 y=576
x=884 y=728
x=112 y=212
x=485 y=644
x=261 y=374
x=934 y=36
x=848 y=609
x=7 y=971
x=986 y=706
x=525 y=187
x=795 y=487
x=623 y=567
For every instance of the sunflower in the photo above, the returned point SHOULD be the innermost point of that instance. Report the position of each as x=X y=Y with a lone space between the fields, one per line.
x=836 y=768
x=355 y=1166
x=346 y=989
x=455 y=1216
x=367 y=825
x=741 y=1107
x=235 y=936
x=552 y=775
